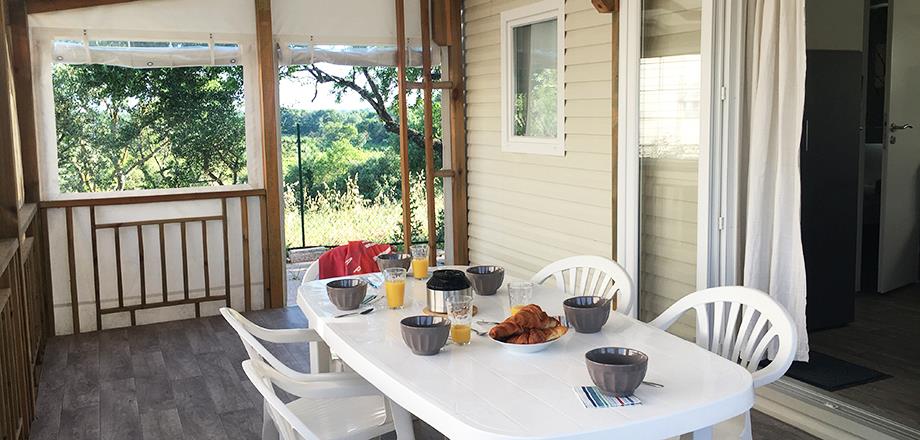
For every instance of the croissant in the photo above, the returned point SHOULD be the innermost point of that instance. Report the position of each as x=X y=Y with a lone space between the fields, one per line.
x=529 y=336
x=532 y=316
x=554 y=332
x=505 y=330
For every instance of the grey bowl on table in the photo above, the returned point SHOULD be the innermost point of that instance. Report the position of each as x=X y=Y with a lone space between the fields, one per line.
x=386 y=261
x=347 y=293
x=617 y=371
x=486 y=280
x=587 y=314
x=425 y=335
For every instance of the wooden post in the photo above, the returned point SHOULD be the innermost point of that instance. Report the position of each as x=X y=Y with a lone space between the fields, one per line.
x=403 y=121
x=9 y=182
x=429 y=132
x=268 y=88
x=22 y=80
x=458 y=136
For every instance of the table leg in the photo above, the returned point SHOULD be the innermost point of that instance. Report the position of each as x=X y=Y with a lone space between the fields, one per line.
x=320 y=358
x=402 y=419
x=703 y=434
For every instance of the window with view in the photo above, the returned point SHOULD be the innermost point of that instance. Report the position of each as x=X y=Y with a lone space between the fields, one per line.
x=532 y=51
x=128 y=128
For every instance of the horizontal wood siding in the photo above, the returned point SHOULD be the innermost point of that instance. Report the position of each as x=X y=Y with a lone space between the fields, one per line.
x=668 y=251
x=528 y=210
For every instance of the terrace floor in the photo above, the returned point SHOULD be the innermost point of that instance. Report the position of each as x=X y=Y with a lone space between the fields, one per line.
x=182 y=379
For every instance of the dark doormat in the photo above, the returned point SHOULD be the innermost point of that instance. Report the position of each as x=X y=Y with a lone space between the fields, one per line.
x=832 y=374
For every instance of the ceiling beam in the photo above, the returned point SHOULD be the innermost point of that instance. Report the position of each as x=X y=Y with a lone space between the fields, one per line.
x=36 y=6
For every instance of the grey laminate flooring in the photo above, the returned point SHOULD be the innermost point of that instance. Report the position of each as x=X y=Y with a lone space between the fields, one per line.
x=884 y=337
x=181 y=380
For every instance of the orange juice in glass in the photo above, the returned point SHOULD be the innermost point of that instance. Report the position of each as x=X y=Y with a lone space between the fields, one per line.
x=460 y=313
x=520 y=294
x=419 y=261
x=394 y=285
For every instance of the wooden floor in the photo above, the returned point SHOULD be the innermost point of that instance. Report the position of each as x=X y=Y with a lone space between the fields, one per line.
x=884 y=337
x=181 y=380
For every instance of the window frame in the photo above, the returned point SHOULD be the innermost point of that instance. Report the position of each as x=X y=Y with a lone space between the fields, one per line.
x=535 y=13
x=42 y=62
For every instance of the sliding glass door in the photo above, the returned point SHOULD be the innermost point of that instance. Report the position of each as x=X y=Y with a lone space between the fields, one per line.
x=665 y=76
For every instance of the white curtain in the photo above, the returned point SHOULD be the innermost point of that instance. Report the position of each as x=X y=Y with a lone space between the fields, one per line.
x=773 y=258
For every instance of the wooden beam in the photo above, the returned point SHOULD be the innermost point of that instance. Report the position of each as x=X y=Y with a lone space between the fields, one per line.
x=151 y=198
x=403 y=121
x=458 y=137
x=271 y=148
x=441 y=23
x=429 y=132
x=25 y=106
x=10 y=193
x=37 y=6
x=606 y=6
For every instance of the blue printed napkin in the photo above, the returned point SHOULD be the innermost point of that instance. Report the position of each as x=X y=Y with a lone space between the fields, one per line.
x=592 y=397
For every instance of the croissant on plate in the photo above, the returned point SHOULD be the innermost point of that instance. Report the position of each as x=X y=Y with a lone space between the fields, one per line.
x=505 y=330
x=528 y=336
x=532 y=316
x=530 y=325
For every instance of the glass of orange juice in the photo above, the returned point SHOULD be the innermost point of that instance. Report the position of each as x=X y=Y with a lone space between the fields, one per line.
x=460 y=312
x=419 y=261
x=394 y=285
x=520 y=293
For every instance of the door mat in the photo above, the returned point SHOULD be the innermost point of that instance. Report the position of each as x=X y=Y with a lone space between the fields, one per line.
x=832 y=374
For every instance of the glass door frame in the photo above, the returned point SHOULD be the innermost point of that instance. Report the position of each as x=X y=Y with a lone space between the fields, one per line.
x=711 y=224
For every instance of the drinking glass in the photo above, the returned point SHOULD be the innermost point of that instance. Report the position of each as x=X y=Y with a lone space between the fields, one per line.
x=419 y=261
x=520 y=293
x=394 y=284
x=460 y=312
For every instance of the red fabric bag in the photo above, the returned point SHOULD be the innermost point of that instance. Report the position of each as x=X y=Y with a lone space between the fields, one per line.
x=354 y=258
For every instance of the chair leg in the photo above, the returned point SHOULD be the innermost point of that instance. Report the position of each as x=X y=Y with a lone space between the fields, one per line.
x=269 y=430
x=402 y=419
x=748 y=433
x=703 y=434
x=320 y=358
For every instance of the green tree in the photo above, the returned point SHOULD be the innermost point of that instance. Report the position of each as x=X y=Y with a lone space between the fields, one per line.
x=120 y=128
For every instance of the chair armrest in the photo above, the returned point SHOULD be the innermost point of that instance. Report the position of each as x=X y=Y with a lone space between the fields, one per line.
x=323 y=385
x=285 y=336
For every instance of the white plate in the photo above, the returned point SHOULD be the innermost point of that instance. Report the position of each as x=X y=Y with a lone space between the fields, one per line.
x=525 y=348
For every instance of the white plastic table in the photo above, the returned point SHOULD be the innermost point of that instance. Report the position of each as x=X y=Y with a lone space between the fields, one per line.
x=481 y=391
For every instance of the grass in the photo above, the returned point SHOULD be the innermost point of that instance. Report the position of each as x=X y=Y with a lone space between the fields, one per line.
x=334 y=218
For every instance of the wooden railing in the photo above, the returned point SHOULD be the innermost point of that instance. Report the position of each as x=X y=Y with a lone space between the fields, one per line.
x=129 y=242
x=23 y=325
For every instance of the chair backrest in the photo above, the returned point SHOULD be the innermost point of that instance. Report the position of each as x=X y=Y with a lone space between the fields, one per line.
x=593 y=276
x=739 y=324
x=312 y=273
x=249 y=332
x=265 y=378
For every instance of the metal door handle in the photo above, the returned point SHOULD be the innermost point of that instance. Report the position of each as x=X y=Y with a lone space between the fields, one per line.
x=895 y=127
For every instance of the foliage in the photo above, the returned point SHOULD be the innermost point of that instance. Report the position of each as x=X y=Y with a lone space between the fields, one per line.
x=335 y=217
x=120 y=128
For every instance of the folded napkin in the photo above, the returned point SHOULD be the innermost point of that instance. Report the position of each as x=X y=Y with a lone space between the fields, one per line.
x=592 y=397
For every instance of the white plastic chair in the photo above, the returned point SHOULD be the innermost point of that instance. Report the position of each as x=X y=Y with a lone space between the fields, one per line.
x=343 y=408
x=250 y=334
x=312 y=273
x=592 y=276
x=739 y=324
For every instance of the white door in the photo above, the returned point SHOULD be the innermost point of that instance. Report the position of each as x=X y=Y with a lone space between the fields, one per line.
x=899 y=237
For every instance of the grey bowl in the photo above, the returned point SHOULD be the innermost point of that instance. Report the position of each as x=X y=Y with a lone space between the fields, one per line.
x=486 y=280
x=587 y=314
x=346 y=294
x=615 y=370
x=425 y=335
x=387 y=261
